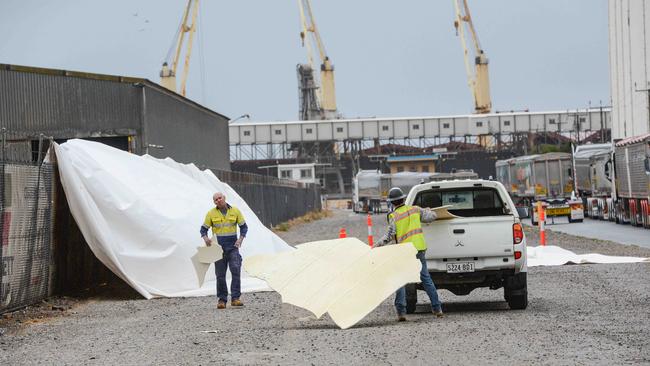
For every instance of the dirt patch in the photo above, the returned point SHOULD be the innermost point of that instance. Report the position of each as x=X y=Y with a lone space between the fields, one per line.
x=60 y=306
x=309 y=217
x=11 y=322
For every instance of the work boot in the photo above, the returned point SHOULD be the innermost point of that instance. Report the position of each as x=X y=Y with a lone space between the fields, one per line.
x=221 y=304
x=236 y=302
x=438 y=313
x=401 y=318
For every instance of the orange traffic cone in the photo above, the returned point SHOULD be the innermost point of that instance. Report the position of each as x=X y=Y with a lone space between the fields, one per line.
x=342 y=233
x=370 y=238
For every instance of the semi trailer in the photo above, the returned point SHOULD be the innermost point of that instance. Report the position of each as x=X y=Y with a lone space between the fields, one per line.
x=632 y=181
x=545 y=177
x=614 y=180
x=594 y=169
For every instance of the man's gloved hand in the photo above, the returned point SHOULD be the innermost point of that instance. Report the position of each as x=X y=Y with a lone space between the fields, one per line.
x=239 y=241
x=207 y=241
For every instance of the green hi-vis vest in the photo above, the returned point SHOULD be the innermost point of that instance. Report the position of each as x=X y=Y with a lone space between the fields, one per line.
x=408 y=226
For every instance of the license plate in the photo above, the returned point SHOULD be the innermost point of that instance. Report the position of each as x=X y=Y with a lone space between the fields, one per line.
x=558 y=211
x=460 y=267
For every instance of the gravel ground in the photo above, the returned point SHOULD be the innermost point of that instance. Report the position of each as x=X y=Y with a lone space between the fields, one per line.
x=578 y=314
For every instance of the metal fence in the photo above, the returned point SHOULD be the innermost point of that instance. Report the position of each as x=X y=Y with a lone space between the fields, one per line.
x=25 y=230
x=272 y=199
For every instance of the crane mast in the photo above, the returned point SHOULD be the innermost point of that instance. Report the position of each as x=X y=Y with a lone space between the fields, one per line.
x=168 y=73
x=477 y=79
x=317 y=97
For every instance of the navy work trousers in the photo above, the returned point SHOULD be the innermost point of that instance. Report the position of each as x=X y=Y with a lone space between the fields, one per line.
x=231 y=258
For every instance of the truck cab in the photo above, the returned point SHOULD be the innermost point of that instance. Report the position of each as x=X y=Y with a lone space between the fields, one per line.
x=484 y=246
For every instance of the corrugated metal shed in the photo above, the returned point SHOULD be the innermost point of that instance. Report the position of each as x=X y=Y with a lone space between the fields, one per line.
x=123 y=111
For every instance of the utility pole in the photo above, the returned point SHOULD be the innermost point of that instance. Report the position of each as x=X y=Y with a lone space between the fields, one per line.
x=602 y=122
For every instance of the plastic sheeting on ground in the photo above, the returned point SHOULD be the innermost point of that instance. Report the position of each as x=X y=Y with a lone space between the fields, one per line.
x=343 y=277
x=551 y=255
x=141 y=217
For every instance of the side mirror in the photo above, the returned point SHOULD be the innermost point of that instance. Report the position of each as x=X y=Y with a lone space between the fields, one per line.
x=523 y=212
x=608 y=170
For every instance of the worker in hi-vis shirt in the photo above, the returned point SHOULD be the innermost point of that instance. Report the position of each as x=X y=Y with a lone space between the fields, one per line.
x=224 y=219
x=404 y=226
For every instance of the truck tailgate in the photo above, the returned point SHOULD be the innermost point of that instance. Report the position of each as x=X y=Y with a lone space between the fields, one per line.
x=489 y=236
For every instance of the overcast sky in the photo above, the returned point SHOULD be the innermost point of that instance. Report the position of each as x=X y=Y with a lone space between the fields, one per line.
x=392 y=58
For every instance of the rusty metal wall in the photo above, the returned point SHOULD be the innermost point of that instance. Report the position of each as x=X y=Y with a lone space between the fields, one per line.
x=183 y=131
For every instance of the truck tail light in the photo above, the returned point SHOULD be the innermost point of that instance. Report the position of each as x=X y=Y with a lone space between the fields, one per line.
x=517 y=254
x=517 y=233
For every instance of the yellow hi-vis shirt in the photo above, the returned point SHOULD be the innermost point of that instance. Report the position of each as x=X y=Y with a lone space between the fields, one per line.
x=408 y=226
x=224 y=225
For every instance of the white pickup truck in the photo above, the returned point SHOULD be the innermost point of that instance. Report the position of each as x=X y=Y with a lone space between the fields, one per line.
x=484 y=246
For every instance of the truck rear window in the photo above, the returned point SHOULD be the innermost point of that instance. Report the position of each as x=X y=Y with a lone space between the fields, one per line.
x=466 y=202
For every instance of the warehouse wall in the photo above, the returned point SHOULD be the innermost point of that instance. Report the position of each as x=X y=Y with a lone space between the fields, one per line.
x=629 y=56
x=186 y=132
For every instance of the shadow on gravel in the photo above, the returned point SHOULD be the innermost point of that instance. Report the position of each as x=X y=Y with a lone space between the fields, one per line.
x=467 y=307
x=117 y=290
x=321 y=325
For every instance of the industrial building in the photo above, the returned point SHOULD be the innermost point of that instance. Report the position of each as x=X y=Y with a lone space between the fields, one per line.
x=132 y=114
x=629 y=60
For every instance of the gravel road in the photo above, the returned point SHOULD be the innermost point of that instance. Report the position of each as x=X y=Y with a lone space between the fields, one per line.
x=578 y=314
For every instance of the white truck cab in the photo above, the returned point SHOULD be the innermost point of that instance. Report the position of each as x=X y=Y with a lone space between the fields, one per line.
x=484 y=246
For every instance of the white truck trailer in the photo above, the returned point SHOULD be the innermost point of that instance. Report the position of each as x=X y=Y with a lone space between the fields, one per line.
x=632 y=177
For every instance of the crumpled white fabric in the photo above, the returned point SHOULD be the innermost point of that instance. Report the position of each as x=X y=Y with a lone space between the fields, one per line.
x=141 y=217
x=551 y=255
x=343 y=277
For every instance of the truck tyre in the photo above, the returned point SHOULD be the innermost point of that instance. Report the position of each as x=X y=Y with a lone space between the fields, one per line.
x=411 y=298
x=515 y=291
x=519 y=301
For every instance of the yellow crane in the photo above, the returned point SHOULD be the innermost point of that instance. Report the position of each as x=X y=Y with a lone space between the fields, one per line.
x=325 y=92
x=168 y=73
x=478 y=80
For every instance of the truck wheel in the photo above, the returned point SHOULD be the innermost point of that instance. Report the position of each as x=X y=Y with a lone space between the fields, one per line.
x=515 y=291
x=411 y=298
x=519 y=301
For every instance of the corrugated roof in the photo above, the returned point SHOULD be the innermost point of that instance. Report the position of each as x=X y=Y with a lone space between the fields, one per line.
x=633 y=140
x=104 y=77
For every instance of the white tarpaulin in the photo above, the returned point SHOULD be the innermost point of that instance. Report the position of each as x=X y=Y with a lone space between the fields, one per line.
x=141 y=217
x=343 y=277
x=551 y=255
